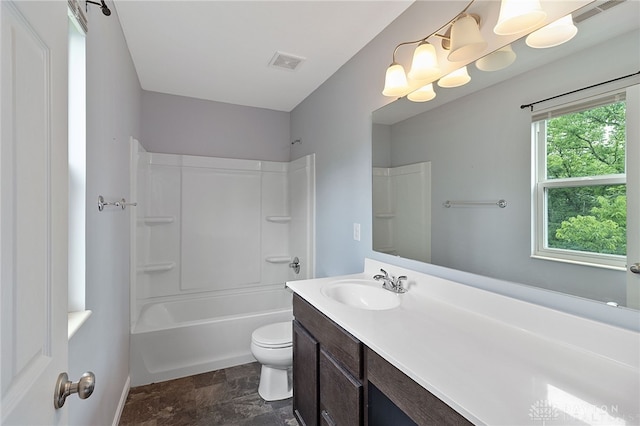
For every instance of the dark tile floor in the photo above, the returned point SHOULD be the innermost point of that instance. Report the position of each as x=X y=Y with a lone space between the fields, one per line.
x=225 y=397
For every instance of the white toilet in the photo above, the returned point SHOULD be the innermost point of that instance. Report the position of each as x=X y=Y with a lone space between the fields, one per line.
x=272 y=346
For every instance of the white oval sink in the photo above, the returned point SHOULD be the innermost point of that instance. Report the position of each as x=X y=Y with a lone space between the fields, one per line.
x=361 y=294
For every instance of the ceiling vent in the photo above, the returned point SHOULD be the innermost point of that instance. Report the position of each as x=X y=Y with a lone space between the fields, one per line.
x=596 y=10
x=286 y=61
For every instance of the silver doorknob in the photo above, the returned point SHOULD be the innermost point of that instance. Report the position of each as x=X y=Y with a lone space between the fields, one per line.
x=635 y=268
x=65 y=387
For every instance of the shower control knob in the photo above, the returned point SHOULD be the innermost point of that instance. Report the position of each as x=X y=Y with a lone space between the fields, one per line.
x=635 y=268
x=65 y=387
x=295 y=265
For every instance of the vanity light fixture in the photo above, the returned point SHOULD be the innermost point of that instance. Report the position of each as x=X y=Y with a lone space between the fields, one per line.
x=424 y=66
x=463 y=40
x=554 y=34
x=456 y=78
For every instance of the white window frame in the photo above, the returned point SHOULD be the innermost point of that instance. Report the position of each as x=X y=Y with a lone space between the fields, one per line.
x=541 y=184
x=76 y=301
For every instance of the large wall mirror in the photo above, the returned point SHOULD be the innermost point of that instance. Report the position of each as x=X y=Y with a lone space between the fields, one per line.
x=473 y=143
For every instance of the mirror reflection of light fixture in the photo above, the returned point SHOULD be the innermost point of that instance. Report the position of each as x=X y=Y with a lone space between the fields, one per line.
x=554 y=34
x=456 y=78
x=423 y=94
x=425 y=63
x=395 y=82
x=517 y=16
x=497 y=60
x=466 y=40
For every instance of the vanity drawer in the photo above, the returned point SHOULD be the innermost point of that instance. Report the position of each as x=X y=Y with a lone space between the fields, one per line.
x=343 y=346
x=340 y=394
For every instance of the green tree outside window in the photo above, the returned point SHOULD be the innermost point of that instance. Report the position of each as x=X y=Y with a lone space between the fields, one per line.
x=582 y=144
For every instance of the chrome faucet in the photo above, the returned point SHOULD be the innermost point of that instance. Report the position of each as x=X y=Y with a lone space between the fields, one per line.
x=391 y=283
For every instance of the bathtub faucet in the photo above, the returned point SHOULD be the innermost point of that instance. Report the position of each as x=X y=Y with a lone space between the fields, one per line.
x=391 y=283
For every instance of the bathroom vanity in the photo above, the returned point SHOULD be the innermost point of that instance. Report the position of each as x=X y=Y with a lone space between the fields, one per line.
x=446 y=353
x=329 y=380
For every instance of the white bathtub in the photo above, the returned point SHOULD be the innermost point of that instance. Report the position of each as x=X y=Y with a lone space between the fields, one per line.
x=180 y=338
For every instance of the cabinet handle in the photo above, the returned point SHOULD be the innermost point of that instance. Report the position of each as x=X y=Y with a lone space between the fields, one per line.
x=327 y=417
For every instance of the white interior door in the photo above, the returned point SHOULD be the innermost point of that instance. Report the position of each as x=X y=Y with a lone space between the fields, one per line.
x=633 y=195
x=33 y=209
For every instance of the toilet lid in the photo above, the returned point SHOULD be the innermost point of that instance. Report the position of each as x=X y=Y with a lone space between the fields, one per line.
x=278 y=334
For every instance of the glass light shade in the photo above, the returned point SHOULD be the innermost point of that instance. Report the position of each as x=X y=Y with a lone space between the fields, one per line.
x=554 y=34
x=395 y=82
x=423 y=94
x=497 y=60
x=425 y=63
x=466 y=40
x=517 y=16
x=456 y=78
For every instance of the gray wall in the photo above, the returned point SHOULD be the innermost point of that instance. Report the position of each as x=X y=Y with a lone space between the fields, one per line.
x=180 y=125
x=113 y=115
x=381 y=145
x=335 y=123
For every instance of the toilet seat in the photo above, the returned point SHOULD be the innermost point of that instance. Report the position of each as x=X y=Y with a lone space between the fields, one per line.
x=275 y=336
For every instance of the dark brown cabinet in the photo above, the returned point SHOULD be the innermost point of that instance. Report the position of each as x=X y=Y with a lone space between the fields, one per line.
x=305 y=375
x=340 y=393
x=331 y=384
x=327 y=370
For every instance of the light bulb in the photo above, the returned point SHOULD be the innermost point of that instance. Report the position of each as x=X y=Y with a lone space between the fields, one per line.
x=425 y=63
x=395 y=82
x=517 y=16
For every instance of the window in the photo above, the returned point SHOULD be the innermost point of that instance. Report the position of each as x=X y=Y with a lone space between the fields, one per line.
x=77 y=164
x=580 y=189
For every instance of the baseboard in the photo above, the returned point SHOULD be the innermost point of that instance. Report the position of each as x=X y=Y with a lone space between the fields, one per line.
x=123 y=400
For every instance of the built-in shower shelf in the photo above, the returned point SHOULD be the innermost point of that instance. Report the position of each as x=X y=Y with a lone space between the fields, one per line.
x=385 y=215
x=157 y=220
x=278 y=259
x=156 y=267
x=279 y=219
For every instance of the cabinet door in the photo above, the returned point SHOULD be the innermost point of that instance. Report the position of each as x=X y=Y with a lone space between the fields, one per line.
x=305 y=376
x=340 y=394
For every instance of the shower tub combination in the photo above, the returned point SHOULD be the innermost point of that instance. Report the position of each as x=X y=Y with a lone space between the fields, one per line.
x=210 y=255
x=181 y=338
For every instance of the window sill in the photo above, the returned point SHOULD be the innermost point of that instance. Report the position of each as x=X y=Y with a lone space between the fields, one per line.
x=579 y=262
x=76 y=319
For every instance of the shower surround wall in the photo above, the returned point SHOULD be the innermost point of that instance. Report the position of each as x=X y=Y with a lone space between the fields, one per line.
x=214 y=229
x=402 y=210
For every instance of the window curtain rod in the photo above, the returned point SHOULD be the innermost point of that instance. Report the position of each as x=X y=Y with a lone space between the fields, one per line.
x=577 y=90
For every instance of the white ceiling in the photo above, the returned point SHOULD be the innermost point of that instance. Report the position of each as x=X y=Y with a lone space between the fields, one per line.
x=220 y=50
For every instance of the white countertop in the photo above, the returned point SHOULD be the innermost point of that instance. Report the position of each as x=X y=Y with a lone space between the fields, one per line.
x=494 y=359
